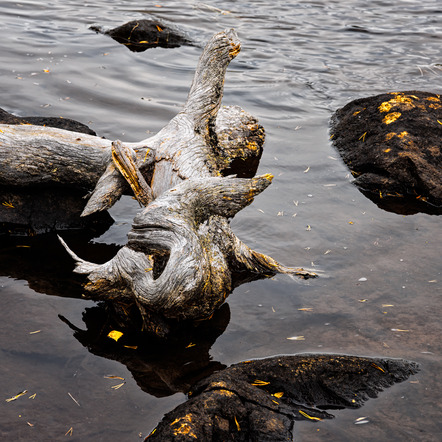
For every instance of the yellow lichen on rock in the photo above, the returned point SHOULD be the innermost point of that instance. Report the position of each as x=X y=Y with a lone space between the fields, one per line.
x=185 y=428
x=391 y=117
x=384 y=107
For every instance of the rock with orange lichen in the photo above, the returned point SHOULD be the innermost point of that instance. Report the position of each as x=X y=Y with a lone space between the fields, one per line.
x=392 y=145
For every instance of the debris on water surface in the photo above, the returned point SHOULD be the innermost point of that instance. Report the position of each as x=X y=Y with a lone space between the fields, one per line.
x=361 y=420
x=115 y=335
x=296 y=338
x=362 y=279
x=13 y=398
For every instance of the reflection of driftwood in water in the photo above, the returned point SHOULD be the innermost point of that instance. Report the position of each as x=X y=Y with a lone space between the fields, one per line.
x=139 y=35
x=43 y=263
x=256 y=400
x=392 y=145
x=181 y=254
x=260 y=400
x=160 y=368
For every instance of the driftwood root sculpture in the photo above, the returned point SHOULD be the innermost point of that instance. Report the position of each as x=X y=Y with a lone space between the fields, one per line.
x=182 y=256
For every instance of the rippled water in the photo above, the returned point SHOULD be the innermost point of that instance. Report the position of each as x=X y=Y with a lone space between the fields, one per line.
x=299 y=62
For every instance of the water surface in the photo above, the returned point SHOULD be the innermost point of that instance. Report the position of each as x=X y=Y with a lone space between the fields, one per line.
x=299 y=62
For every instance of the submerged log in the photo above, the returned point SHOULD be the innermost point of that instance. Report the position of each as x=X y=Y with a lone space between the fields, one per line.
x=392 y=146
x=181 y=255
x=261 y=400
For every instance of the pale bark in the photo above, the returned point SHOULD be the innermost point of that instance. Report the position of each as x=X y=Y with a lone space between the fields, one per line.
x=181 y=254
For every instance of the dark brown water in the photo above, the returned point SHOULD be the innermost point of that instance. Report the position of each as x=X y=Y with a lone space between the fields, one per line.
x=299 y=62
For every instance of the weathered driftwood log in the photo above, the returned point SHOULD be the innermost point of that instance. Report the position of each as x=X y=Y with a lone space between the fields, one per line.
x=392 y=145
x=260 y=400
x=181 y=253
x=139 y=35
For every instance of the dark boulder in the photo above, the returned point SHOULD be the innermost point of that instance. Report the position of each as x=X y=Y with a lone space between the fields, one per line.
x=139 y=35
x=261 y=400
x=392 y=145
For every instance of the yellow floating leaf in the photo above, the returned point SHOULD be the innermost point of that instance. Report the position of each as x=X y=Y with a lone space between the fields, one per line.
x=309 y=417
x=363 y=300
x=31 y=425
x=191 y=345
x=387 y=150
x=69 y=432
x=113 y=377
x=159 y=29
x=46 y=71
x=362 y=137
x=391 y=118
x=8 y=204
x=32 y=396
x=306 y=170
x=387 y=305
x=13 y=398
x=351 y=222
x=115 y=335
x=277 y=403
x=440 y=122
x=305 y=309
x=279 y=394
x=116 y=387
x=132 y=347
x=34 y=332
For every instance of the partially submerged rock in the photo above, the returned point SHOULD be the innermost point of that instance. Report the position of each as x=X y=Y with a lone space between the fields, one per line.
x=260 y=400
x=61 y=123
x=392 y=145
x=139 y=35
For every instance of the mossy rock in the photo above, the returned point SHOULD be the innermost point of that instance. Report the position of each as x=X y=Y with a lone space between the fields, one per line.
x=392 y=146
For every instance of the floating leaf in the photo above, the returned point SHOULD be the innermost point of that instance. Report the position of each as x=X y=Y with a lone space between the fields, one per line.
x=32 y=396
x=35 y=332
x=279 y=394
x=13 y=398
x=116 y=387
x=69 y=432
x=296 y=338
x=399 y=330
x=305 y=309
x=309 y=417
x=113 y=377
x=115 y=335
x=75 y=400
